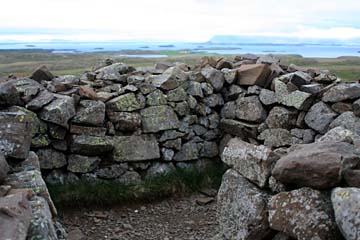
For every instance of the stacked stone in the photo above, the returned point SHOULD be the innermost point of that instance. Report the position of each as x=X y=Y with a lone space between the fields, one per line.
x=292 y=145
x=26 y=208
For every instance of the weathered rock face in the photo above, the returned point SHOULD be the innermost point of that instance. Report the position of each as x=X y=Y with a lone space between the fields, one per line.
x=50 y=159
x=347 y=211
x=124 y=103
x=253 y=162
x=320 y=174
x=303 y=214
x=82 y=164
x=90 y=113
x=4 y=168
x=242 y=209
x=8 y=94
x=170 y=79
x=253 y=74
x=158 y=118
x=90 y=145
x=59 y=111
x=15 y=134
x=319 y=117
x=250 y=109
x=342 y=92
x=42 y=73
x=135 y=148
x=125 y=121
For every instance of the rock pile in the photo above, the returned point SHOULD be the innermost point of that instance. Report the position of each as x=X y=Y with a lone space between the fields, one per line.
x=289 y=134
x=292 y=145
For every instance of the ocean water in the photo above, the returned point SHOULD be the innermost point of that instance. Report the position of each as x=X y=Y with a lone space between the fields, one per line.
x=305 y=50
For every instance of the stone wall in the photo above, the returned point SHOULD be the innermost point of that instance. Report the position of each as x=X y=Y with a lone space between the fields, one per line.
x=118 y=123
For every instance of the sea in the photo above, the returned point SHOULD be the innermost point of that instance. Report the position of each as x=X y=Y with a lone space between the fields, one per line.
x=144 y=49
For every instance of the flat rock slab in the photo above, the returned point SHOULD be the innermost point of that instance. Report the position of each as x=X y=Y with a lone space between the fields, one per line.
x=303 y=214
x=90 y=145
x=135 y=148
x=342 y=92
x=158 y=118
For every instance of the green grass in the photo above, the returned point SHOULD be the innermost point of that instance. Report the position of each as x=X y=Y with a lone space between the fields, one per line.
x=179 y=181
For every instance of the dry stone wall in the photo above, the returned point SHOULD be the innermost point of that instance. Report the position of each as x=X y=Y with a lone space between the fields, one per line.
x=289 y=135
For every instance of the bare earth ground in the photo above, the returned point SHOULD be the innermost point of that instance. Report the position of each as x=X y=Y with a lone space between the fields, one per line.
x=172 y=219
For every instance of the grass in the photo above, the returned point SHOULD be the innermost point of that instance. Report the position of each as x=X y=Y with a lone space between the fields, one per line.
x=179 y=181
x=22 y=63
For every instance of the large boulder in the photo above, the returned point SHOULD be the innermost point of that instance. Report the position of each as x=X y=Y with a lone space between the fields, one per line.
x=252 y=161
x=15 y=216
x=170 y=79
x=319 y=117
x=124 y=103
x=214 y=77
x=15 y=134
x=342 y=92
x=90 y=113
x=4 y=168
x=8 y=94
x=59 y=111
x=317 y=165
x=27 y=88
x=242 y=209
x=135 y=148
x=158 y=118
x=250 y=109
x=303 y=214
x=297 y=99
x=90 y=145
x=253 y=74
x=347 y=211
x=50 y=158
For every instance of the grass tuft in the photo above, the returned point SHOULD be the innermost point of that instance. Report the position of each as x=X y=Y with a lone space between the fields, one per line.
x=177 y=182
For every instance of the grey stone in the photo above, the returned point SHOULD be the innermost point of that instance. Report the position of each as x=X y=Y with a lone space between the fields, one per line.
x=267 y=97
x=50 y=158
x=280 y=117
x=237 y=128
x=251 y=161
x=319 y=117
x=170 y=79
x=214 y=100
x=250 y=109
x=174 y=144
x=125 y=121
x=189 y=151
x=8 y=94
x=229 y=75
x=82 y=164
x=156 y=98
x=346 y=206
x=242 y=209
x=111 y=172
x=90 y=145
x=235 y=91
x=90 y=113
x=170 y=135
x=159 y=169
x=167 y=154
x=347 y=120
x=129 y=177
x=214 y=77
x=182 y=108
x=303 y=214
x=304 y=135
x=207 y=88
x=228 y=111
x=194 y=89
x=135 y=148
x=27 y=88
x=158 y=118
x=297 y=99
x=300 y=78
x=4 y=168
x=339 y=134
x=342 y=92
x=356 y=108
x=177 y=95
x=341 y=107
x=124 y=103
x=276 y=137
x=112 y=72
x=209 y=150
x=59 y=111
x=42 y=73
x=42 y=99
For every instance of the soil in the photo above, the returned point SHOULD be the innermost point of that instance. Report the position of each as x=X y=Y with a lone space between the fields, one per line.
x=192 y=217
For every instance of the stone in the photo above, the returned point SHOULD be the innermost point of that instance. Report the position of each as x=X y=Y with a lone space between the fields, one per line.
x=170 y=135
x=170 y=79
x=15 y=216
x=313 y=89
x=342 y=92
x=135 y=148
x=253 y=74
x=41 y=224
x=280 y=117
x=129 y=177
x=156 y=98
x=174 y=144
x=341 y=107
x=251 y=161
x=4 y=168
x=235 y=91
x=276 y=137
x=229 y=75
x=242 y=209
x=268 y=59
x=319 y=117
x=42 y=99
x=188 y=151
x=90 y=145
x=167 y=154
x=300 y=78
x=82 y=164
x=4 y=190
x=209 y=150
x=177 y=95
x=303 y=214
x=207 y=88
x=267 y=97
x=322 y=162
x=194 y=89
x=229 y=110
x=158 y=118
x=57 y=132
x=352 y=177
x=356 y=108
x=42 y=73
x=124 y=103
x=15 y=134
x=105 y=96
x=304 y=135
x=112 y=72
x=87 y=92
x=84 y=130
x=250 y=109
x=111 y=172
x=214 y=100
x=346 y=206
x=27 y=88
x=339 y=134
x=59 y=111
x=159 y=169
x=58 y=176
x=237 y=128
x=125 y=121
x=50 y=158
x=276 y=186
x=297 y=99
x=90 y=112
x=8 y=94
x=182 y=108
x=214 y=77
x=347 y=120
x=76 y=234
x=29 y=164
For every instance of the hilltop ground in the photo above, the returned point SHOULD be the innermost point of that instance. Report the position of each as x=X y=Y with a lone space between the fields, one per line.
x=22 y=63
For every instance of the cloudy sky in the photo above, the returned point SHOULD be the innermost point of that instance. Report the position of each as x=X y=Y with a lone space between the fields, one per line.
x=180 y=20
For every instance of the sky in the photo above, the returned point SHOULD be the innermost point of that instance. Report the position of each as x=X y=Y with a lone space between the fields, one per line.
x=180 y=20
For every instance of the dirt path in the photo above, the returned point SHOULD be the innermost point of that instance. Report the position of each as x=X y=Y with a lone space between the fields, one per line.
x=172 y=219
